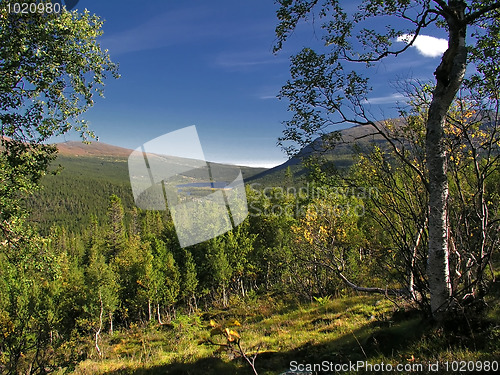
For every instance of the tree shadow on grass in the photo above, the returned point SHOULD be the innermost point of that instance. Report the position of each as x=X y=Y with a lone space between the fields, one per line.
x=367 y=342
x=201 y=367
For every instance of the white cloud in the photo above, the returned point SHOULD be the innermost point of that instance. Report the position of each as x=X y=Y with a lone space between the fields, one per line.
x=258 y=163
x=393 y=98
x=246 y=59
x=427 y=45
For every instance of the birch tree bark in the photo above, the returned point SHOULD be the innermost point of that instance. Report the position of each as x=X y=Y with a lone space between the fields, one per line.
x=449 y=77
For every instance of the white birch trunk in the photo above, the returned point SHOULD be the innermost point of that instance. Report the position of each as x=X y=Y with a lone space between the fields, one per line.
x=159 y=314
x=449 y=77
x=98 y=332
x=110 y=323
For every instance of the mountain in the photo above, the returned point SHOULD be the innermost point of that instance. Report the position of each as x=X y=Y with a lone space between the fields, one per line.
x=90 y=173
x=342 y=155
x=74 y=148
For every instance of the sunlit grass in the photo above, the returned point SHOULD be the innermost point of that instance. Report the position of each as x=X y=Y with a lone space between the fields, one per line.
x=352 y=328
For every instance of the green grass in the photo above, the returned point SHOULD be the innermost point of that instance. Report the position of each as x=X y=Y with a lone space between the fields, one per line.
x=359 y=328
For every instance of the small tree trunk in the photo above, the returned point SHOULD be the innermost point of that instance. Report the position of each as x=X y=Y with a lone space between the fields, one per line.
x=195 y=302
x=98 y=332
x=268 y=275
x=150 y=315
x=411 y=282
x=170 y=313
x=110 y=323
x=242 y=287
x=224 y=296
x=483 y=255
x=159 y=314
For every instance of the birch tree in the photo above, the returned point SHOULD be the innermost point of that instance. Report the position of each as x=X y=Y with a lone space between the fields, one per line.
x=323 y=91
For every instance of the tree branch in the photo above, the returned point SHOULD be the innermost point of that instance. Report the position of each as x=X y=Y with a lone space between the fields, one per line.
x=481 y=12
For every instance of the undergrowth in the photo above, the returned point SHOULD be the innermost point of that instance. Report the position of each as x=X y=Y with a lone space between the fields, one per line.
x=369 y=329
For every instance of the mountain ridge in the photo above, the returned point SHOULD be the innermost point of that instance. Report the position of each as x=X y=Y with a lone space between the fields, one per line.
x=76 y=148
x=342 y=153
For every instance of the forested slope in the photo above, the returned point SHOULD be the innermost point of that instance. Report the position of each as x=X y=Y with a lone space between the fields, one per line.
x=87 y=175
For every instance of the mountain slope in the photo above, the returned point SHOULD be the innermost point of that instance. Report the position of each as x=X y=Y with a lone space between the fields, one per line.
x=73 y=148
x=88 y=176
x=342 y=155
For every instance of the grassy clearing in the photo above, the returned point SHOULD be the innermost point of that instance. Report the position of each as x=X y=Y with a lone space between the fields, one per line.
x=360 y=328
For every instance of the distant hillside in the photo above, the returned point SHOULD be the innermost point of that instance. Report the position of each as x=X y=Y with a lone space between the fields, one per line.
x=74 y=148
x=342 y=155
x=356 y=140
x=89 y=175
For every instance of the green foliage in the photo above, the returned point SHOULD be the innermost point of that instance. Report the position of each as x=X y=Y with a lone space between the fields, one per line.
x=51 y=67
x=165 y=276
x=80 y=189
x=322 y=301
x=151 y=277
x=270 y=217
x=27 y=312
x=189 y=279
x=102 y=288
x=133 y=265
x=115 y=235
x=323 y=92
x=327 y=242
x=219 y=266
x=104 y=264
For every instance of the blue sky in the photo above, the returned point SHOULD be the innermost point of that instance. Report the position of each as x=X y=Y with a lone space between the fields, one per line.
x=210 y=64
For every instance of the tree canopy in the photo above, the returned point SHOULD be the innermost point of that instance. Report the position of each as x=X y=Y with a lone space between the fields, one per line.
x=51 y=68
